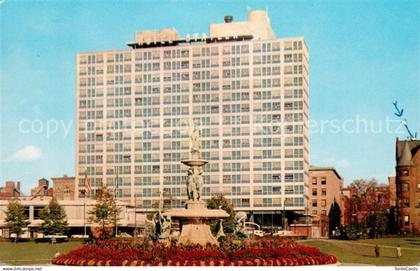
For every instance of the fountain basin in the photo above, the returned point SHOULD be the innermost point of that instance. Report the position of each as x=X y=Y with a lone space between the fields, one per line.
x=196 y=213
x=194 y=162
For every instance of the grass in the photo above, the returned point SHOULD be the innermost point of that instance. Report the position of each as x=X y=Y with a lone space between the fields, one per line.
x=409 y=242
x=362 y=251
x=31 y=253
x=347 y=252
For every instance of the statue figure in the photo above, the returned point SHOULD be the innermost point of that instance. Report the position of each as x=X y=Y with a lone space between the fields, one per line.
x=199 y=182
x=195 y=140
x=240 y=227
x=166 y=227
x=190 y=184
x=156 y=227
x=194 y=183
x=220 y=232
x=161 y=227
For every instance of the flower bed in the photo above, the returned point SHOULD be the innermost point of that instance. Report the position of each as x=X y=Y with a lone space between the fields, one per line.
x=262 y=253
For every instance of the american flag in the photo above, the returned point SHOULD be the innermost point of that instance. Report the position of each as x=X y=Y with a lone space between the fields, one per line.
x=87 y=185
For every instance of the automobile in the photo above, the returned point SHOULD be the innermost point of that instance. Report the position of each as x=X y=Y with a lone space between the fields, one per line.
x=259 y=233
x=79 y=236
x=52 y=238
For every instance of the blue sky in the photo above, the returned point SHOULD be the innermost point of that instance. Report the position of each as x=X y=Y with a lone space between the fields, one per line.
x=363 y=56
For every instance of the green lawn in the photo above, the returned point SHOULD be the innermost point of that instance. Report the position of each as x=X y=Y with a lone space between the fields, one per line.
x=403 y=242
x=31 y=253
x=347 y=252
x=362 y=251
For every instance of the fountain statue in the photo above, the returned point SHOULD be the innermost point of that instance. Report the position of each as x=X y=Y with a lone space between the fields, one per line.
x=192 y=219
x=240 y=224
x=161 y=227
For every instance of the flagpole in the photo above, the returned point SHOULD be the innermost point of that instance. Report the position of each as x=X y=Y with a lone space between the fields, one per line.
x=84 y=215
x=115 y=195
x=87 y=189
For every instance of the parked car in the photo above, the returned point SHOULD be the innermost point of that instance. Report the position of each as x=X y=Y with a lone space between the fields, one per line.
x=80 y=236
x=52 y=238
x=259 y=233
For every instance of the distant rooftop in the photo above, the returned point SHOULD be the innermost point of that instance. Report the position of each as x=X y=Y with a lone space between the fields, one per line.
x=316 y=168
x=405 y=150
x=257 y=27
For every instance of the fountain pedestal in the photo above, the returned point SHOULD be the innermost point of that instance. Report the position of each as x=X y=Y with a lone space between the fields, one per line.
x=193 y=218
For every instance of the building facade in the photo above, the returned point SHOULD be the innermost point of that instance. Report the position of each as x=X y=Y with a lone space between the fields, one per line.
x=325 y=187
x=10 y=190
x=245 y=89
x=77 y=214
x=64 y=187
x=407 y=182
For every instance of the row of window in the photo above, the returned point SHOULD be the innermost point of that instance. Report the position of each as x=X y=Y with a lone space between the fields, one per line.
x=182 y=179
x=211 y=167
x=269 y=82
x=196 y=51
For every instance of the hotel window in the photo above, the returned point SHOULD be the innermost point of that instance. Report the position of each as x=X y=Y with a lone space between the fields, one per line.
x=314 y=192
x=404 y=172
x=323 y=180
x=406 y=220
x=314 y=203
x=418 y=186
x=314 y=181
x=27 y=210
x=406 y=203
x=404 y=187
x=324 y=212
x=324 y=192
x=314 y=212
x=323 y=203
x=37 y=212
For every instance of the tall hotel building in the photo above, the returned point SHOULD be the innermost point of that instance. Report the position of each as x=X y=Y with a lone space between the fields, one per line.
x=245 y=89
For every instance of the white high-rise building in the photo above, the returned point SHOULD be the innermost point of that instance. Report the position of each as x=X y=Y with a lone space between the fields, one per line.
x=246 y=89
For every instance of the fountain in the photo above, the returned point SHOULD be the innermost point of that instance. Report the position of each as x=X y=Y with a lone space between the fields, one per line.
x=192 y=219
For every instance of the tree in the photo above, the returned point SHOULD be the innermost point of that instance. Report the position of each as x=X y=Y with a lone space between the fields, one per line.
x=16 y=219
x=371 y=204
x=220 y=202
x=392 y=221
x=54 y=219
x=334 y=216
x=360 y=189
x=105 y=212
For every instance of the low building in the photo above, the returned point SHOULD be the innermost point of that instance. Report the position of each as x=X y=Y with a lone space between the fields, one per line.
x=77 y=212
x=64 y=187
x=324 y=187
x=407 y=180
x=10 y=190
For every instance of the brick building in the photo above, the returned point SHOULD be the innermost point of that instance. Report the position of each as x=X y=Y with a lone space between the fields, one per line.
x=10 y=190
x=42 y=189
x=325 y=186
x=64 y=187
x=407 y=181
